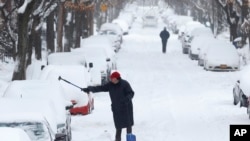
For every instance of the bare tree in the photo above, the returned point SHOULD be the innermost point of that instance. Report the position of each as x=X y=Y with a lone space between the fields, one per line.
x=23 y=28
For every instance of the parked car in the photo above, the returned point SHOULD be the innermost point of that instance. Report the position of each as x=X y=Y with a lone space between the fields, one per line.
x=149 y=20
x=222 y=56
x=103 y=59
x=241 y=90
x=35 y=117
x=202 y=50
x=116 y=29
x=239 y=96
x=13 y=134
x=44 y=89
x=123 y=24
x=83 y=102
x=128 y=17
x=72 y=59
x=114 y=37
x=198 y=43
x=187 y=36
x=99 y=40
x=185 y=42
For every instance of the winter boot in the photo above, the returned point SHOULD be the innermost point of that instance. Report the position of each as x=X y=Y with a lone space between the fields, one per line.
x=118 y=134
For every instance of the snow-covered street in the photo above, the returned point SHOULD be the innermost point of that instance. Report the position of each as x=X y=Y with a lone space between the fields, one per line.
x=175 y=99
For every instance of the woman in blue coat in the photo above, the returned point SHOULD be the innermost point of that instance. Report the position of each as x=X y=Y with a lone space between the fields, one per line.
x=121 y=95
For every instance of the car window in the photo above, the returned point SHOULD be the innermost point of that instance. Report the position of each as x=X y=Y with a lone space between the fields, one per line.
x=36 y=130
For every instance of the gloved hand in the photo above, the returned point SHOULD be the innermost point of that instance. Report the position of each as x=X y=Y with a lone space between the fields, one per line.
x=86 y=90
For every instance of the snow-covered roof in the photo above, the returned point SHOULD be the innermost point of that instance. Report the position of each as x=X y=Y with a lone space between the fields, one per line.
x=40 y=89
x=72 y=59
x=27 y=110
x=13 y=134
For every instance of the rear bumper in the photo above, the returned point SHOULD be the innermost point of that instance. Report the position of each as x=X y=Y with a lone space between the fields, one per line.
x=83 y=110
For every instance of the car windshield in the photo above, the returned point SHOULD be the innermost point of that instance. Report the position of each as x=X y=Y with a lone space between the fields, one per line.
x=150 y=17
x=35 y=130
x=107 y=32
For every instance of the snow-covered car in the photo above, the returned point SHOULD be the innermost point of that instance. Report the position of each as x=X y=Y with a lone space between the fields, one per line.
x=123 y=24
x=221 y=56
x=116 y=29
x=150 y=20
x=13 y=134
x=44 y=89
x=185 y=43
x=186 y=34
x=114 y=37
x=239 y=96
x=241 y=90
x=83 y=102
x=72 y=59
x=128 y=17
x=35 y=117
x=209 y=41
x=198 y=44
x=103 y=59
x=99 y=40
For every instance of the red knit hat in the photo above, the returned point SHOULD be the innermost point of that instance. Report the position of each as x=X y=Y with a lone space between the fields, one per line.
x=115 y=75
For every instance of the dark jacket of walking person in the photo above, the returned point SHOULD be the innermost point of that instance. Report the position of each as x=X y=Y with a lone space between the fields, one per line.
x=164 y=34
x=121 y=95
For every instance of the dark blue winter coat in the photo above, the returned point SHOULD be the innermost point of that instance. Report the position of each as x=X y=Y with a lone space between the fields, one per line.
x=121 y=95
x=164 y=35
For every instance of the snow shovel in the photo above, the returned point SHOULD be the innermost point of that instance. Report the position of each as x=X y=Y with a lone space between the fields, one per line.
x=131 y=137
x=60 y=78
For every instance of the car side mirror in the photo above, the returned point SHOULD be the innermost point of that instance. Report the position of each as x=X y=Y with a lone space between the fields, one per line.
x=108 y=59
x=91 y=65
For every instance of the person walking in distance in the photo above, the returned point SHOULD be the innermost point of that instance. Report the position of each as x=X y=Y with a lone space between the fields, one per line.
x=121 y=95
x=164 y=34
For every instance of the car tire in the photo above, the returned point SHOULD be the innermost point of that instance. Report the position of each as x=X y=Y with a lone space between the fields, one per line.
x=236 y=100
x=199 y=62
x=89 y=109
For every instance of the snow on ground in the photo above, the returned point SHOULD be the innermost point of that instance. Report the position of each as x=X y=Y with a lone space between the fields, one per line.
x=175 y=100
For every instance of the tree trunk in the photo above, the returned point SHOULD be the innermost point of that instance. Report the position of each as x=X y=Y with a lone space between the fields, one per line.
x=23 y=27
x=78 y=29
x=69 y=29
x=50 y=33
x=60 y=18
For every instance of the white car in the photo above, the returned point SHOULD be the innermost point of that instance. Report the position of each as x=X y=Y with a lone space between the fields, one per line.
x=35 y=117
x=13 y=134
x=150 y=20
x=202 y=50
x=103 y=59
x=83 y=102
x=99 y=40
x=114 y=30
x=72 y=59
x=198 y=44
x=222 y=55
x=44 y=89
x=123 y=24
x=113 y=27
x=241 y=90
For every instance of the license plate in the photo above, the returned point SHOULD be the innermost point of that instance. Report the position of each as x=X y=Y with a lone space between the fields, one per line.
x=223 y=66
